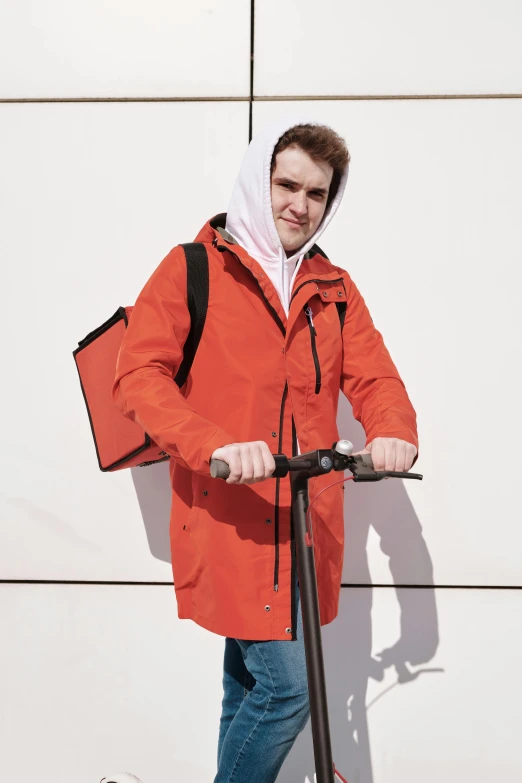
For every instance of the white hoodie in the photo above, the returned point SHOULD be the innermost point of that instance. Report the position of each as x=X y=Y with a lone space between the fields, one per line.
x=249 y=216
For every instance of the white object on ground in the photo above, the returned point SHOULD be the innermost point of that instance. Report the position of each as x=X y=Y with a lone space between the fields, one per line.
x=121 y=777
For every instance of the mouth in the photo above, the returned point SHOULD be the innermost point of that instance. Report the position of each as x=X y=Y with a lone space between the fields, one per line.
x=293 y=223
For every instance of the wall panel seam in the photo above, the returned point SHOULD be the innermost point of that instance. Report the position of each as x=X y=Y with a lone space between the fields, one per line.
x=252 y=46
x=398 y=97
x=185 y=99
x=267 y=98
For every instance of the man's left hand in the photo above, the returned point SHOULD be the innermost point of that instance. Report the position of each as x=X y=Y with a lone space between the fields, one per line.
x=390 y=454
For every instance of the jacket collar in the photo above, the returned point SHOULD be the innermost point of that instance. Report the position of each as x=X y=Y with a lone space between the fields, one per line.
x=315 y=268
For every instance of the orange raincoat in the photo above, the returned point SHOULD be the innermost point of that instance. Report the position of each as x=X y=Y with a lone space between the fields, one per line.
x=254 y=377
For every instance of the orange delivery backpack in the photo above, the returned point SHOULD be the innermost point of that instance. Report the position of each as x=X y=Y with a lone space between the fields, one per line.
x=120 y=442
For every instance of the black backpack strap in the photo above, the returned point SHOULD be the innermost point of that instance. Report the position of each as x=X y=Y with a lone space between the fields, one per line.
x=197 y=295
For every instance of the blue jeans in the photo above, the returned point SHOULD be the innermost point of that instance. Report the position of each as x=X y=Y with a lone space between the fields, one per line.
x=265 y=706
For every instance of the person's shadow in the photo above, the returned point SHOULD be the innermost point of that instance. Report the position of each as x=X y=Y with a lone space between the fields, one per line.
x=347 y=642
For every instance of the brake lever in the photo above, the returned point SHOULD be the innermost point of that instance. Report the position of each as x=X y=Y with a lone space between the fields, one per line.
x=361 y=466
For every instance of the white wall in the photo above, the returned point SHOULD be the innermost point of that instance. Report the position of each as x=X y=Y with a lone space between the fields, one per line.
x=97 y=195
x=93 y=193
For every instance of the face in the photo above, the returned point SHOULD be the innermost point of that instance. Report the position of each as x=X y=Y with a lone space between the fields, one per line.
x=299 y=189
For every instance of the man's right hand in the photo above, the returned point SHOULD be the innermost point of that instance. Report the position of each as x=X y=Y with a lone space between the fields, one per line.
x=249 y=462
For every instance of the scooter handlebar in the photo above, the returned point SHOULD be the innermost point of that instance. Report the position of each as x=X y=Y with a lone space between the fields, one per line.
x=322 y=461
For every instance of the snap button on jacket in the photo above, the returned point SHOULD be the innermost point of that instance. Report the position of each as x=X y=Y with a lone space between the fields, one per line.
x=254 y=377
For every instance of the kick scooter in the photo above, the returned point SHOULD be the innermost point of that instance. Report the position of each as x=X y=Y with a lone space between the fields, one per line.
x=302 y=468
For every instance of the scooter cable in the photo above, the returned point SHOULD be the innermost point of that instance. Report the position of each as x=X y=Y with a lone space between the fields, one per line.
x=309 y=538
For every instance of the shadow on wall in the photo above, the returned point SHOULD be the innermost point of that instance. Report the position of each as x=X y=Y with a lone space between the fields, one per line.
x=154 y=494
x=347 y=642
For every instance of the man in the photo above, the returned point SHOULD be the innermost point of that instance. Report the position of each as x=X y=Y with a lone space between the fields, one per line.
x=265 y=380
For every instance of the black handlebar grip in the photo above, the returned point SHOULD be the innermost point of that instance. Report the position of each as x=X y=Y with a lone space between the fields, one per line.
x=219 y=469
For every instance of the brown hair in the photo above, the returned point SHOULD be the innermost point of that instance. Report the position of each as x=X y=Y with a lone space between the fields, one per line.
x=321 y=143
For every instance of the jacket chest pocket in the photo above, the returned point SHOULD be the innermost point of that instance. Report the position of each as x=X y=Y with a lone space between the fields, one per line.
x=326 y=294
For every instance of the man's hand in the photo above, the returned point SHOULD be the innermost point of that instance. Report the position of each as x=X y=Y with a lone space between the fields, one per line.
x=390 y=454
x=249 y=462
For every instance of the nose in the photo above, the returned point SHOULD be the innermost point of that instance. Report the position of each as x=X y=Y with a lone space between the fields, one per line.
x=298 y=205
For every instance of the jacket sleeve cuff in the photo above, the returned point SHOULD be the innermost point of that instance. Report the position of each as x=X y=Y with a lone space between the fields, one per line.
x=202 y=464
x=407 y=436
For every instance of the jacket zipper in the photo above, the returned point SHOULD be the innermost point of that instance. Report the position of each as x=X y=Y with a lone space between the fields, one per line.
x=313 y=335
x=281 y=419
x=276 y=511
x=222 y=248
x=293 y=570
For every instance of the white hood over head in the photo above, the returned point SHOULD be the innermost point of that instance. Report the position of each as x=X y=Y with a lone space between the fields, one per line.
x=249 y=216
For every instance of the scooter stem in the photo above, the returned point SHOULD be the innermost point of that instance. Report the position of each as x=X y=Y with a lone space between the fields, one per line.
x=324 y=767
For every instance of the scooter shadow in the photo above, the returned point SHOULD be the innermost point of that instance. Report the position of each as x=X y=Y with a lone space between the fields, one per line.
x=347 y=642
